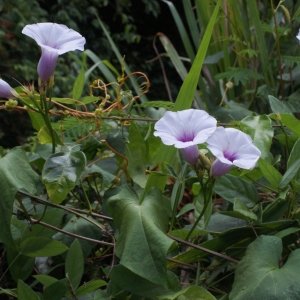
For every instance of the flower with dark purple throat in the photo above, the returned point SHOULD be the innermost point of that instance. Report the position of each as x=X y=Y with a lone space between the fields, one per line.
x=185 y=130
x=6 y=91
x=54 y=39
x=231 y=148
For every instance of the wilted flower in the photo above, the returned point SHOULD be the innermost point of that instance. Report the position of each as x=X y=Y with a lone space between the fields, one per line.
x=6 y=91
x=54 y=39
x=231 y=148
x=185 y=129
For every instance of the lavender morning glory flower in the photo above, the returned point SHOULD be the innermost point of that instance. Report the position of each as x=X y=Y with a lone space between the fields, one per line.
x=185 y=129
x=6 y=91
x=54 y=39
x=231 y=148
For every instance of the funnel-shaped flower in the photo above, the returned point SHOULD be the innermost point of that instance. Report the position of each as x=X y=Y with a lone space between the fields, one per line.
x=54 y=39
x=231 y=148
x=6 y=91
x=185 y=129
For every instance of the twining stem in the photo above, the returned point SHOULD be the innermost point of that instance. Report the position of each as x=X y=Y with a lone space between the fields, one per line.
x=74 y=211
x=34 y=221
x=207 y=193
x=203 y=249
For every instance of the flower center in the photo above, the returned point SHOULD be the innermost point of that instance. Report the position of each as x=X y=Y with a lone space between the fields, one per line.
x=186 y=136
x=230 y=156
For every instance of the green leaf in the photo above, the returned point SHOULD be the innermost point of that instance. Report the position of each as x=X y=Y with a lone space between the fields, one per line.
x=141 y=151
x=289 y=121
x=40 y=246
x=90 y=287
x=189 y=293
x=45 y=280
x=25 y=292
x=277 y=106
x=78 y=85
x=260 y=130
x=20 y=266
x=52 y=216
x=37 y=120
x=229 y=187
x=44 y=136
x=289 y=174
x=55 y=291
x=182 y=31
x=270 y=173
x=199 y=206
x=137 y=285
x=258 y=275
x=81 y=227
x=240 y=207
x=185 y=209
x=294 y=156
x=15 y=174
x=142 y=226
x=175 y=59
x=61 y=172
x=74 y=264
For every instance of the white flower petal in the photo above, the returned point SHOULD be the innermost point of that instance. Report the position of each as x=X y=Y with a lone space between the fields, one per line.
x=231 y=146
x=185 y=129
x=6 y=91
x=54 y=39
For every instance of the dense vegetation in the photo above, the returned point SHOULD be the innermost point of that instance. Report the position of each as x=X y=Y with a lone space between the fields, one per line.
x=116 y=183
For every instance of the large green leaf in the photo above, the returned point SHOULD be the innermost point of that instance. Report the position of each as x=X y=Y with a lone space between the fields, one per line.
x=259 y=276
x=270 y=173
x=229 y=187
x=261 y=131
x=137 y=285
x=61 y=172
x=74 y=264
x=141 y=151
x=142 y=244
x=25 y=292
x=15 y=174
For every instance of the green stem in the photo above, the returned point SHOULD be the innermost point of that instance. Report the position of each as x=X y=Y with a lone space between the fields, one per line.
x=178 y=195
x=207 y=198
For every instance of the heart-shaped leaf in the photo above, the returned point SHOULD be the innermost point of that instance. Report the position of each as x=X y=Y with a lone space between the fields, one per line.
x=15 y=174
x=142 y=244
x=61 y=172
x=258 y=275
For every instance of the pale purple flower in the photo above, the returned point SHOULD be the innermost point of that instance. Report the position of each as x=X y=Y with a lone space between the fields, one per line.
x=231 y=148
x=185 y=129
x=6 y=91
x=54 y=39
